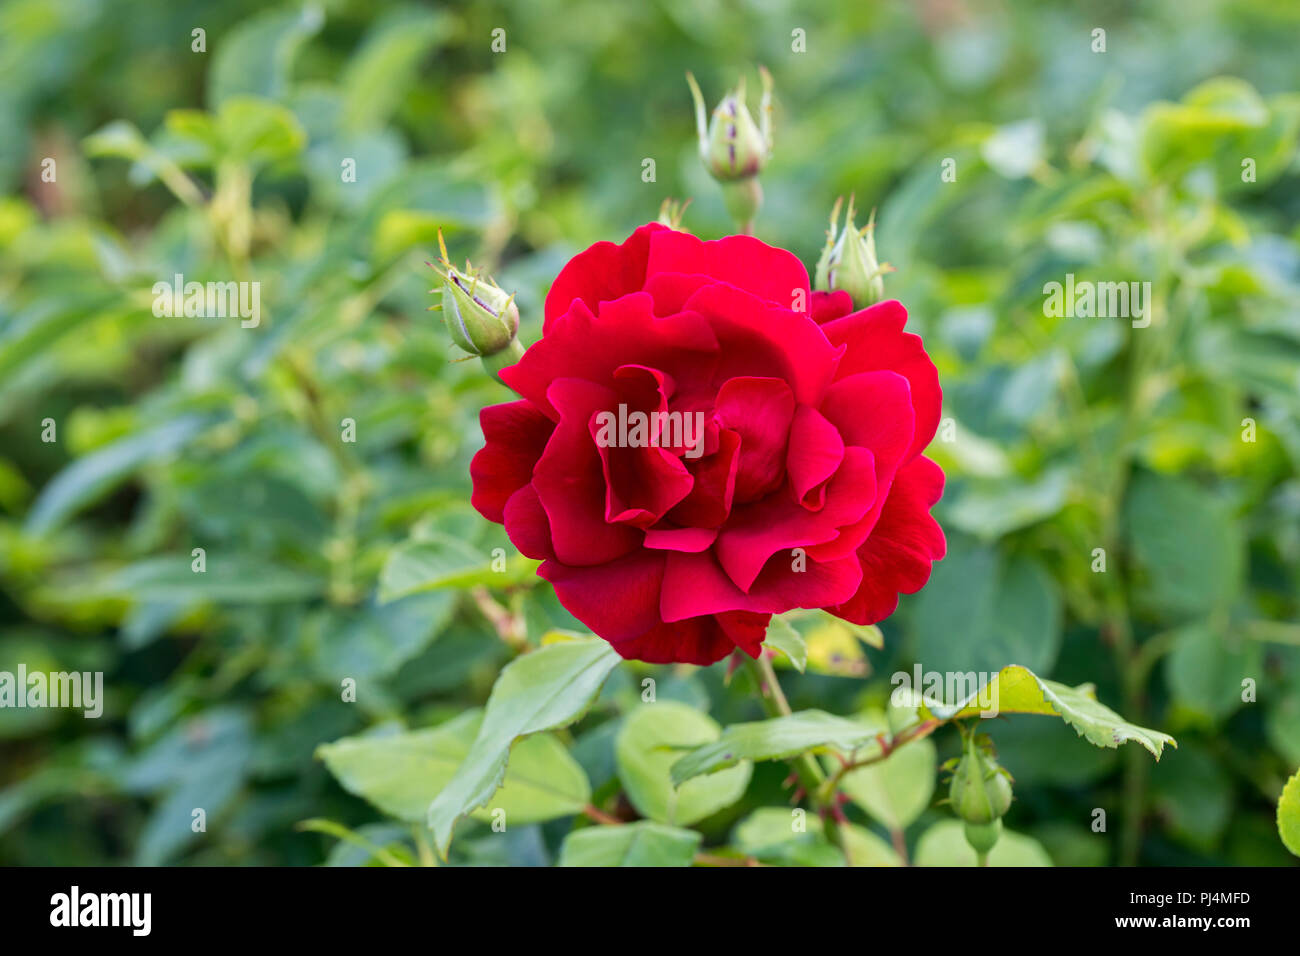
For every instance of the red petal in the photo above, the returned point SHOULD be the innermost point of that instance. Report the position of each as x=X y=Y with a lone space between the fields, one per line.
x=527 y=525
x=618 y=600
x=875 y=340
x=873 y=410
x=815 y=451
x=571 y=483
x=742 y=261
x=827 y=306
x=778 y=523
x=759 y=410
x=516 y=434
x=903 y=546
x=601 y=273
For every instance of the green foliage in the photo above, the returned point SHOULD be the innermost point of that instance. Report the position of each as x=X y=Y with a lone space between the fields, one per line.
x=353 y=663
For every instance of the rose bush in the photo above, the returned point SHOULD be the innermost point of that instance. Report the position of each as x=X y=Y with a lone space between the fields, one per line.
x=809 y=491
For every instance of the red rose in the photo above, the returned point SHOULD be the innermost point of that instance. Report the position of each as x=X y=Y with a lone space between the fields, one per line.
x=808 y=436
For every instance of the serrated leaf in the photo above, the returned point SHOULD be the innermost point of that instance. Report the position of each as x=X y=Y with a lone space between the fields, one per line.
x=401 y=773
x=648 y=745
x=1018 y=690
x=633 y=844
x=544 y=690
x=776 y=739
x=783 y=637
x=1288 y=814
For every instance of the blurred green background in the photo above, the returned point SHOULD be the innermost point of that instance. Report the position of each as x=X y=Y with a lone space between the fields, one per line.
x=1067 y=434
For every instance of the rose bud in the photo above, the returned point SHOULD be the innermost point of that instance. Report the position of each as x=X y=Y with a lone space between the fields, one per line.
x=848 y=261
x=482 y=319
x=735 y=149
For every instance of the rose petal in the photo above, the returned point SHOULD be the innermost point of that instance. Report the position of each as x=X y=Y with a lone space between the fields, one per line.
x=618 y=600
x=700 y=640
x=873 y=410
x=680 y=539
x=875 y=339
x=815 y=452
x=778 y=523
x=742 y=261
x=906 y=541
x=516 y=435
x=759 y=410
x=580 y=344
x=570 y=480
x=527 y=525
x=601 y=273
x=760 y=339
x=827 y=306
x=710 y=500
x=695 y=584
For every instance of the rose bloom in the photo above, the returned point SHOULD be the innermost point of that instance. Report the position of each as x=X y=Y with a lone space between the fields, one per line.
x=809 y=490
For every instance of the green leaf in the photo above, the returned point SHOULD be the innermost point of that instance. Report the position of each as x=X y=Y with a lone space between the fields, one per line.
x=783 y=637
x=633 y=844
x=896 y=790
x=118 y=139
x=229 y=578
x=991 y=508
x=442 y=561
x=1194 y=797
x=944 y=844
x=1018 y=690
x=374 y=641
x=1288 y=814
x=256 y=132
x=982 y=609
x=646 y=749
x=256 y=57
x=401 y=773
x=769 y=834
x=1205 y=674
x=33 y=332
x=544 y=690
x=383 y=69
x=1186 y=545
x=393 y=855
x=89 y=478
x=776 y=739
x=864 y=848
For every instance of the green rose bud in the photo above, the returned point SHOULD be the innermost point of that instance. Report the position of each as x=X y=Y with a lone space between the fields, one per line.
x=734 y=148
x=980 y=791
x=482 y=319
x=982 y=837
x=849 y=262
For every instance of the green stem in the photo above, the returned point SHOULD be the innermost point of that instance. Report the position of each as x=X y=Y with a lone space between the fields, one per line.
x=805 y=766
